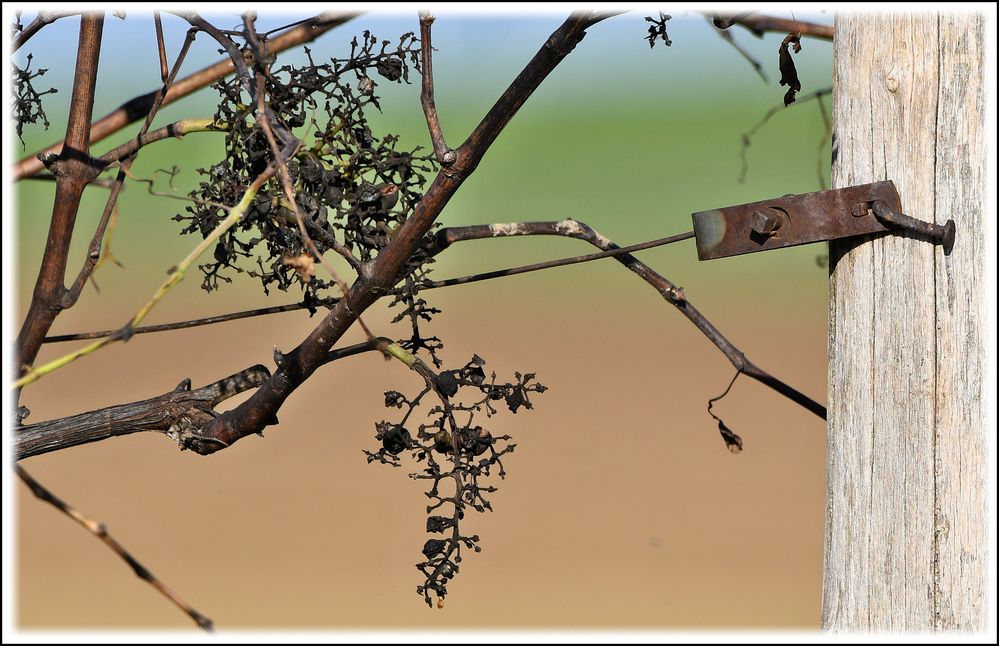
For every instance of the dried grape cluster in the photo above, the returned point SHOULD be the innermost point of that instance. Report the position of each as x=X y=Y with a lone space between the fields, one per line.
x=353 y=190
x=26 y=101
x=351 y=187
x=657 y=30
x=458 y=455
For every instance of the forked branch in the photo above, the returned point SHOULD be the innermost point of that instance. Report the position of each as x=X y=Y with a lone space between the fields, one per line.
x=74 y=169
x=178 y=414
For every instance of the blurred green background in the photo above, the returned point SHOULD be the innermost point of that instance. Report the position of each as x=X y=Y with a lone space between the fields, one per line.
x=622 y=507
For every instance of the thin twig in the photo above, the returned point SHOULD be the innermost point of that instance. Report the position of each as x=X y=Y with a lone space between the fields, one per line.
x=550 y=264
x=747 y=136
x=161 y=48
x=231 y=48
x=100 y=531
x=444 y=154
x=183 y=325
x=730 y=39
x=175 y=130
x=138 y=107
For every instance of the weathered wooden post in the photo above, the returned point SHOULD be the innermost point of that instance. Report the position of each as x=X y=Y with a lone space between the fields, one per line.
x=906 y=472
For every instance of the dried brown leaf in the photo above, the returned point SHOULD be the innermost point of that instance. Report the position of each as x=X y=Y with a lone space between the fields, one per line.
x=303 y=264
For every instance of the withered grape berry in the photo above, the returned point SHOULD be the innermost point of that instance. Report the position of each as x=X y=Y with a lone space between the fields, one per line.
x=433 y=547
x=437 y=524
x=447 y=385
x=515 y=400
x=396 y=439
x=442 y=442
x=448 y=570
x=390 y=68
x=475 y=441
x=394 y=398
x=475 y=374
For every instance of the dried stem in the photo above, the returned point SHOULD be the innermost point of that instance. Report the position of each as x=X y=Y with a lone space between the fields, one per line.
x=138 y=107
x=101 y=532
x=732 y=441
x=445 y=155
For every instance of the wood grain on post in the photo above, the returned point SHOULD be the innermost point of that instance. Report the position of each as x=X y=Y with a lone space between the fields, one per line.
x=905 y=491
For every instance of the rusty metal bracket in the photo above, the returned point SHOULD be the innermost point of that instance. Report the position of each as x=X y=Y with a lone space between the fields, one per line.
x=810 y=217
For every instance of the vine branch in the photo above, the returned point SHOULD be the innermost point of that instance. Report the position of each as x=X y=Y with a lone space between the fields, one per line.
x=138 y=107
x=74 y=169
x=100 y=531
x=671 y=293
